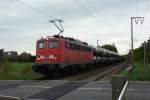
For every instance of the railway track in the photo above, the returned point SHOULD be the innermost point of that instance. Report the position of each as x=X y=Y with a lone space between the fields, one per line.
x=97 y=74
x=108 y=74
x=102 y=73
x=73 y=76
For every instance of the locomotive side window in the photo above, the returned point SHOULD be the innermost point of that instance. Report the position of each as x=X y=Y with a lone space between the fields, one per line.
x=74 y=46
x=66 y=45
x=70 y=46
x=78 y=47
x=52 y=44
x=41 y=45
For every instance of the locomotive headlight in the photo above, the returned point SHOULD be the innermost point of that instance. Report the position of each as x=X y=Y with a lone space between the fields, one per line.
x=38 y=58
x=55 y=58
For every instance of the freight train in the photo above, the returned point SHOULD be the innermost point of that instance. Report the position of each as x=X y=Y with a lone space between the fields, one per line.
x=54 y=54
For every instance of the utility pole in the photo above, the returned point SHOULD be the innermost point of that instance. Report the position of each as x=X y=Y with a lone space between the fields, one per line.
x=136 y=19
x=148 y=49
x=97 y=43
x=145 y=57
x=1 y=55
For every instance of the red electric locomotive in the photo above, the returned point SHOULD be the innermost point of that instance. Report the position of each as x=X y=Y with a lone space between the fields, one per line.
x=54 y=54
x=57 y=53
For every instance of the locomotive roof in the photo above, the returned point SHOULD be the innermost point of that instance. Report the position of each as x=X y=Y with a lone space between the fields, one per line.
x=72 y=40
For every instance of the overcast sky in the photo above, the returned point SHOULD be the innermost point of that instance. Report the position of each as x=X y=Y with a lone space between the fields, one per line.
x=105 y=20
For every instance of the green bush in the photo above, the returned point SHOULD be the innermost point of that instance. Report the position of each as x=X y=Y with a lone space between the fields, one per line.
x=18 y=71
x=139 y=73
x=6 y=67
x=27 y=70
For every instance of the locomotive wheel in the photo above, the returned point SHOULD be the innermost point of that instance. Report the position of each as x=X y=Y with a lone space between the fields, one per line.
x=64 y=71
x=56 y=72
x=73 y=69
x=45 y=73
x=89 y=66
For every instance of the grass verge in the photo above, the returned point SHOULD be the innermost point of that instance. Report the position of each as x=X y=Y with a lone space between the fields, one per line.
x=17 y=71
x=138 y=73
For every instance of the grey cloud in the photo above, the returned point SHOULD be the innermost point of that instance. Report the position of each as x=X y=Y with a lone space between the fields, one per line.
x=6 y=1
x=25 y=25
x=4 y=29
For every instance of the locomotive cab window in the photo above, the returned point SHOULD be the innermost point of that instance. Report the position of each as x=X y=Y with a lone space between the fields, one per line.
x=41 y=45
x=52 y=44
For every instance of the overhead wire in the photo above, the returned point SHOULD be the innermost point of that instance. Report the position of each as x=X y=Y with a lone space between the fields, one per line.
x=137 y=7
x=94 y=8
x=62 y=15
x=146 y=7
x=91 y=14
x=51 y=7
x=146 y=16
x=37 y=10
x=97 y=11
x=140 y=13
x=88 y=12
x=141 y=7
x=41 y=12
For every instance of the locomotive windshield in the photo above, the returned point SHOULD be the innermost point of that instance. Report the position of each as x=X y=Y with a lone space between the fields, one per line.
x=52 y=44
x=41 y=45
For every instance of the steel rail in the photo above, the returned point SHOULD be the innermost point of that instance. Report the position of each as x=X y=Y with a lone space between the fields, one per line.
x=102 y=74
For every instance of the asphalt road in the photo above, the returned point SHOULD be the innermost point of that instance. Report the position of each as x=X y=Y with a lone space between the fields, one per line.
x=68 y=90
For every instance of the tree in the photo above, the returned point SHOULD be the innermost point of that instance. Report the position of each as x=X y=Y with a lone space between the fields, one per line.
x=139 y=52
x=110 y=47
x=26 y=57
